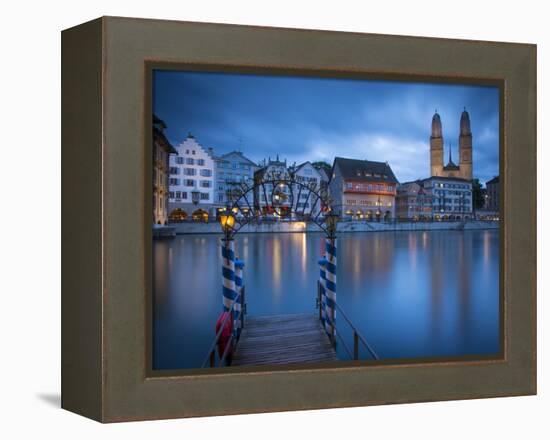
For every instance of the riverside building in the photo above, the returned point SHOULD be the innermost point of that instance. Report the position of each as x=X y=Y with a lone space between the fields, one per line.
x=451 y=197
x=363 y=189
x=232 y=169
x=191 y=182
x=412 y=202
x=267 y=199
x=304 y=200
x=162 y=149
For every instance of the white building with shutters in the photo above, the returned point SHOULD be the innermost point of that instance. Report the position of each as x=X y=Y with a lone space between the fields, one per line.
x=306 y=201
x=191 y=182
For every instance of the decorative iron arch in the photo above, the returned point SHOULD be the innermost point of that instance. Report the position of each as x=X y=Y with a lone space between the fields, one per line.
x=281 y=195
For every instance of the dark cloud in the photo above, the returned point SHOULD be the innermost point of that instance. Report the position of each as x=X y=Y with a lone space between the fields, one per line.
x=312 y=118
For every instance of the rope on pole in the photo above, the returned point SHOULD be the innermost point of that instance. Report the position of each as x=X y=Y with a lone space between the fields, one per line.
x=322 y=277
x=228 y=273
x=238 y=307
x=330 y=287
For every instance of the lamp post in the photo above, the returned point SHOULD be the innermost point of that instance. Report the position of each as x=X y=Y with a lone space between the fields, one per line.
x=330 y=276
x=227 y=223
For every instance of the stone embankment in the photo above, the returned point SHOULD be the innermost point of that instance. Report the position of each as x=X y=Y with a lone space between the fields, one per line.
x=343 y=227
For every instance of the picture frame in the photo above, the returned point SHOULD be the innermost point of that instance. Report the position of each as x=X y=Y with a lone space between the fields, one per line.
x=106 y=241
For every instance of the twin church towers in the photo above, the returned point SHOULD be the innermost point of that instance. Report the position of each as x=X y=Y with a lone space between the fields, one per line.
x=465 y=162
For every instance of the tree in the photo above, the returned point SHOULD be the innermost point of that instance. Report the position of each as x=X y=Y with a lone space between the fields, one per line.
x=477 y=194
x=321 y=164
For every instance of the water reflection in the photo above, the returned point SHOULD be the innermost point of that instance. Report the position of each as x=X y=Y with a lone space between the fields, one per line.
x=412 y=294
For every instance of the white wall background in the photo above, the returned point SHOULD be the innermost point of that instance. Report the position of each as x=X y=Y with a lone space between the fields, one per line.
x=30 y=220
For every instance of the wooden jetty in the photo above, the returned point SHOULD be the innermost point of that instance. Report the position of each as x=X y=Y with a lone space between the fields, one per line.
x=283 y=339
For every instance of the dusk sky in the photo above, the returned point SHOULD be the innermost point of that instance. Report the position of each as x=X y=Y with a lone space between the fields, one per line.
x=316 y=119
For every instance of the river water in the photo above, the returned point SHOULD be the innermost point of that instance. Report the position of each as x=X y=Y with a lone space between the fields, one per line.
x=411 y=294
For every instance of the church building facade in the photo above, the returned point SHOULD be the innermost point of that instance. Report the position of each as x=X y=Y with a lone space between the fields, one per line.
x=464 y=169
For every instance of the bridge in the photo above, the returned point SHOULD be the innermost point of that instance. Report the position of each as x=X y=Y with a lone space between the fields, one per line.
x=309 y=337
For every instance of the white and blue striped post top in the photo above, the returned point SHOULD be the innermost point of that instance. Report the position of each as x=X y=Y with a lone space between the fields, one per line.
x=322 y=276
x=228 y=273
x=330 y=286
x=239 y=284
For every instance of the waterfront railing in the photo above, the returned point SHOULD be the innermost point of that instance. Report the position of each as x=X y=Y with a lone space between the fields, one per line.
x=358 y=338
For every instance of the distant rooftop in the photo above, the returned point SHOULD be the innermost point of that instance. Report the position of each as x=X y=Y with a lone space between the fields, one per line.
x=239 y=153
x=364 y=169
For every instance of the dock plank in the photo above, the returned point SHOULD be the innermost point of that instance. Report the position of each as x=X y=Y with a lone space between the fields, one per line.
x=283 y=339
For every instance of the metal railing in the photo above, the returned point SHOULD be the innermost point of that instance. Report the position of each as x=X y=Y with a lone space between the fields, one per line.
x=210 y=358
x=357 y=336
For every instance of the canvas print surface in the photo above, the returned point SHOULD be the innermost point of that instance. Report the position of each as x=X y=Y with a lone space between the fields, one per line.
x=303 y=220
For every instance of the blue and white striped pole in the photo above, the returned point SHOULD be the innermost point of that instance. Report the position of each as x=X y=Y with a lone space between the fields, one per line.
x=238 y=324
x=322 y=300
x=330 y=288
x=228 y=273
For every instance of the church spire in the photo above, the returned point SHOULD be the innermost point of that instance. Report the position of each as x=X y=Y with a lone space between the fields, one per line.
x=451 y=163
x=437 y=130
x=465 y=129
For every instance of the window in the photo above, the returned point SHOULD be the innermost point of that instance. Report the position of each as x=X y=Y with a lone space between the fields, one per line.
x=174 y=170
x=220 y=197
x=174 y=182
x=189 y=171
x=200 y=162
x=178 y=194
x=179 y=160
x=206 y=184
x=184 y=194
x=193 y=152
x=189 y=161
x=205 y=172
x=186 y=151
x=190 y=182
x=171 y=194
x=205 y=196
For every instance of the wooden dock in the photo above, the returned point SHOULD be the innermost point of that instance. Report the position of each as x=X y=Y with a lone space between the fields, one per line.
x=283 y=339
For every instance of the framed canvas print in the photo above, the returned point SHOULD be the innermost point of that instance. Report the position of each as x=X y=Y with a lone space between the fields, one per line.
x=262 y=219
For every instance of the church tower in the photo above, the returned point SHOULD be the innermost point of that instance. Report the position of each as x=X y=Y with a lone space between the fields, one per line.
x=465 y=147
x=436 y=147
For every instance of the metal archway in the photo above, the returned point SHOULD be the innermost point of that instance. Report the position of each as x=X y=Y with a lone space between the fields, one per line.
x=280 y=195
